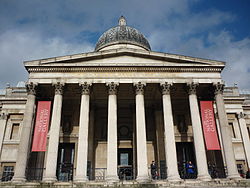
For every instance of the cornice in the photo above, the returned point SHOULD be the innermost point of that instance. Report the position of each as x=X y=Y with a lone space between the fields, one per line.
x=124 y=69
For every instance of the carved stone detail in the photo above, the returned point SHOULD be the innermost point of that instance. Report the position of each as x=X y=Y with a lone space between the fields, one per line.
x=112 y=88
x=241 y=115
x=166 y=88
x=31 y=88
x=59 y=88
x=3 y=116
x=139 y=88
x=218 y=88
x=192 y=88
x=85 y=88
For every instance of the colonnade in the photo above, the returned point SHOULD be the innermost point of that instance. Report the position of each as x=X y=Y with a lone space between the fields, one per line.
x=142 y=166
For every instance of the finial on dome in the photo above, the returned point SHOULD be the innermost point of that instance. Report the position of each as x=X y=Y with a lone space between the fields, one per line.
x=122 y=21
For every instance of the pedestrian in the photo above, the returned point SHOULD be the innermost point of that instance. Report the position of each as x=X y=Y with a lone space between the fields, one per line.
x=153 y=167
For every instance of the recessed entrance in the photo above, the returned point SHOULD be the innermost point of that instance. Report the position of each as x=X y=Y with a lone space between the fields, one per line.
x=125 y=163
x=185 y=153
x=65 y=162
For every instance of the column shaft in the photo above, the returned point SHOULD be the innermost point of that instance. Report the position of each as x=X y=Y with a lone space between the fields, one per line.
x=23 y=148
x=170 y=147
x=82 y=150
x=245 y=137
x=200 y=151
x=232 y=171
x=51 y=162
x=142 y=163
x=112 y=135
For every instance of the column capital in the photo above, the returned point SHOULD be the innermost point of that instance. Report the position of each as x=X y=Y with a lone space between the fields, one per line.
x=166 y=88
x=58 y=88
x=85 y=88
x=192 y=88
x=3 y=116
x=112 y=88
x=241 y=115
x=31 y=88
x=139 y=88
x=218 y=88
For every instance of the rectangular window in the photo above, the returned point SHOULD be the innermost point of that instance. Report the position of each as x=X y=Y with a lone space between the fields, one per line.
x=8 y=173
x=232 y=129
x=14 y=131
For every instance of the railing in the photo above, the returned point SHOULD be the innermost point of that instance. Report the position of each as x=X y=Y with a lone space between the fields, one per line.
x=126 y=173
x=65 y=172
x=7 y=176
x=34 y=174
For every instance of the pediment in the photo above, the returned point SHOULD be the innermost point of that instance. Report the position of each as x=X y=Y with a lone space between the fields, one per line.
x=124 y=58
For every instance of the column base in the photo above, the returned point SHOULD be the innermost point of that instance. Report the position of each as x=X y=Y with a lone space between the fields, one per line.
x=49 y=179
x=234 y=177
x=112 y=178
x=18 y=179
x=174 y=179
x=204 y=177
x=142 y=179
x=81 y=179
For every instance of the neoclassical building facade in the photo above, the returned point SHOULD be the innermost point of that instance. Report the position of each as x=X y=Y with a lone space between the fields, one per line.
x=115 y=110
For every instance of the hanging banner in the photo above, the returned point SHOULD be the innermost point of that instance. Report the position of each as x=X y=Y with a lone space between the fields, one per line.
x=41 y=126
x=209 y=125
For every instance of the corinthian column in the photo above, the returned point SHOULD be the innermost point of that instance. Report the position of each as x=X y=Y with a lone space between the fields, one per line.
x=245 y=136
x=23 y=148
x=141 y=139
x=51 y=162
x=112 y=134
x=82 y=150
x=232 y=171
x=200 y=151
x=170 y=148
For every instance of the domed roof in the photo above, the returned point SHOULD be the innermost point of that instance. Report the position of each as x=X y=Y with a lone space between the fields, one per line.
x=122 y=34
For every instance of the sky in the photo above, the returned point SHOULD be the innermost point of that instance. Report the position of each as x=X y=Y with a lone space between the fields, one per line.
x=214 y=29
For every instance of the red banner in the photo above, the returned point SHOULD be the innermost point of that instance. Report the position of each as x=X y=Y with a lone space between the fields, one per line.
x=209 y=125
x=41 y=126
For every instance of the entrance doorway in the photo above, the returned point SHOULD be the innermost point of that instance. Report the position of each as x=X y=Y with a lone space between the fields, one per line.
x=65 y=161
x=125 y=163
x=185 y=153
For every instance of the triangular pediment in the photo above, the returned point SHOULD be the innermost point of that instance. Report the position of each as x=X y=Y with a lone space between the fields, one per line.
x=124 y=57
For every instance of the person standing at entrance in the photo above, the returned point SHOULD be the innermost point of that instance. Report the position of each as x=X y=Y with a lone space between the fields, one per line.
x=153 y=170
x=190 y=169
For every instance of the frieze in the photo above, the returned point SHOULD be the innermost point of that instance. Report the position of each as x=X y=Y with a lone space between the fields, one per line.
x=122 y=69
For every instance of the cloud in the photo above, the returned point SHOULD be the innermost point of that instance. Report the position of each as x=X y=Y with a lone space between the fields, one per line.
x=16 y=47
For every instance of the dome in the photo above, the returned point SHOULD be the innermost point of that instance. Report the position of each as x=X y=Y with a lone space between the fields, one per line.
x=122 y=34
